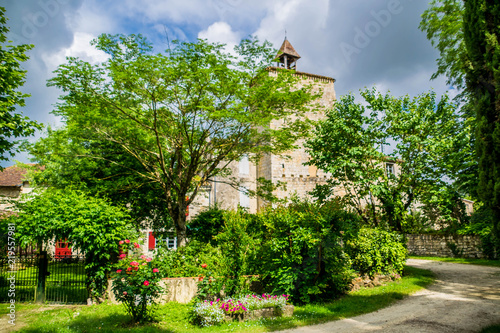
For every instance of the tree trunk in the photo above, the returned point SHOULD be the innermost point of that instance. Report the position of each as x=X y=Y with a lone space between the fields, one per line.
x=180 y=228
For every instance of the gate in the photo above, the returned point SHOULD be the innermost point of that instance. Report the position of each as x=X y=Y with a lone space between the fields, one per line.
x=38 y=278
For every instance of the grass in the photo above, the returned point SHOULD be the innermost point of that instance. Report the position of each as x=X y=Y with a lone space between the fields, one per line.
x=491 y=329
x=173 y=317
x=482 y=262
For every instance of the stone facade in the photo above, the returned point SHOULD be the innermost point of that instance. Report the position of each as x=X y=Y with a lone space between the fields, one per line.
x=287 y=168
x=468 y=246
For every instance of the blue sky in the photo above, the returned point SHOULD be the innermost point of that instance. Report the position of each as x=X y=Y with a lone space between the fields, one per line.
x=358 y=42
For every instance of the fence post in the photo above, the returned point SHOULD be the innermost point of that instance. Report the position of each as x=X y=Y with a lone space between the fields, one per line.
x=43 y=262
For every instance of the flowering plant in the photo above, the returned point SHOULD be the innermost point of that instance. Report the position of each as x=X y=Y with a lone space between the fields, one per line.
x=136 y=283
x=210 y=313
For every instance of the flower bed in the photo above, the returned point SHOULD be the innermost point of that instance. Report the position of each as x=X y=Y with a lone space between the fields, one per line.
x=210 y=313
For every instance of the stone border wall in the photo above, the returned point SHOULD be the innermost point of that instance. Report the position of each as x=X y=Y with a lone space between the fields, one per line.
x=467 y=246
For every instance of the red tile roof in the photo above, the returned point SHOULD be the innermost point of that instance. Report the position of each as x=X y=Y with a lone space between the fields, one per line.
x=13 y=176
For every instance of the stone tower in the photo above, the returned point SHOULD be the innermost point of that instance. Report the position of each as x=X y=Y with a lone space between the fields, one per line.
x=299 y=178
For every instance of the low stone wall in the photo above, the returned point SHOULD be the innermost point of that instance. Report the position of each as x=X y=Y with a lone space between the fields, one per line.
x=468 y=246
x=262 y=313
x=180 y=290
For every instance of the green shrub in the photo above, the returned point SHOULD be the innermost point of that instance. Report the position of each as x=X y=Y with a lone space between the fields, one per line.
x=302 y=254
x=376 y=251
x=136 y=283
x=186 y=261
x=206 y=225
x=481 y=224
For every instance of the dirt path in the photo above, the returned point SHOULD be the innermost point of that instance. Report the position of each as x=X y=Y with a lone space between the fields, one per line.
x=465 y=298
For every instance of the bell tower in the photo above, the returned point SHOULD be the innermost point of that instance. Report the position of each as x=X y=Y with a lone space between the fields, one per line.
x=287 y=56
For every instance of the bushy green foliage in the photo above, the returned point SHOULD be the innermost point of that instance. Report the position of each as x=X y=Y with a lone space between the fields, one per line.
x=206 y=225
x=481 y=224
x=376 y=251
x=91 y=224
x=302 y=254
x=136 y=283
x=348 y=142
x=12 y=123
x=187 y=261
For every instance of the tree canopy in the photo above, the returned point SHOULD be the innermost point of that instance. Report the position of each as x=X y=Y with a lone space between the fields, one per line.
x=12 y=123
x=91 y=224
x=467 y=35
x=428 y=137
x=175 y=120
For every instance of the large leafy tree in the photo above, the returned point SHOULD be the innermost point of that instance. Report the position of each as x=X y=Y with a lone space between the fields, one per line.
x=481 y=25
x=467 y=36
x=176 y=120
x=443 y=24
x=92 y=225
x=428 y=137
x=12 y=123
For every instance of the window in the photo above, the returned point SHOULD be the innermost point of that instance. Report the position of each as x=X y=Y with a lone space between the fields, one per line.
x=244 y=165
x=389 y=169
x=244 y=198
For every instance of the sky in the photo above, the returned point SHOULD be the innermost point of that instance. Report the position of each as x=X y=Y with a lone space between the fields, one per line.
x=360 y=43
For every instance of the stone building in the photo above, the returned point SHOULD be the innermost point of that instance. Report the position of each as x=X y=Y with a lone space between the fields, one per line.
x=288 y=168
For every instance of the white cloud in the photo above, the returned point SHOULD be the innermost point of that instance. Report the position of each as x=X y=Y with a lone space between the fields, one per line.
x=221 y=32
x=80 y=48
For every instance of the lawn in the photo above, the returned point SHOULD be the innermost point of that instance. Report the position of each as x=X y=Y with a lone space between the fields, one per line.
x=482 y=262
x=173 y=317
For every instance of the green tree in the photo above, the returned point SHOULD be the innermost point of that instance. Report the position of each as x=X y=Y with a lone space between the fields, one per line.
x=92 y=225
x=481 y=25
x=182 y=116
x=428 y=137
x=443 y=24
x=12 y=124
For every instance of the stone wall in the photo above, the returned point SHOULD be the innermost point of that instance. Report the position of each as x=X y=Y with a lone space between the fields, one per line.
x=468 y=246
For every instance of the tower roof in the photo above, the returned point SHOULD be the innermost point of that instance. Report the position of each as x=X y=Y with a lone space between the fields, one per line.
x=287 y=48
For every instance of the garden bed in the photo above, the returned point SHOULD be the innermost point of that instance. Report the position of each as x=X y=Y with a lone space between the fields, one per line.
x=261 y=313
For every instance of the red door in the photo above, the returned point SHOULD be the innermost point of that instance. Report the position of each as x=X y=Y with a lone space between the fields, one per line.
x=62 y=249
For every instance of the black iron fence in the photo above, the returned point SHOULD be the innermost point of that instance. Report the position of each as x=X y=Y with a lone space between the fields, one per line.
x=40 y=278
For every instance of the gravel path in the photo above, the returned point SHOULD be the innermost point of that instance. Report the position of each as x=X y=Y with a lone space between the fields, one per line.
x=464 y=298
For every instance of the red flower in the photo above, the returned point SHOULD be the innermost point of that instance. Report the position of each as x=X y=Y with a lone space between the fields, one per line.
x=155 y=270
x=146 y=283
x=120 y=242
x=129 y=269
x=137 y=245
x=200 y=278
x=125 y=293
x=204 y=265
x=118 y=270
x=136 y=268
x=134 y=263
x=127 y=241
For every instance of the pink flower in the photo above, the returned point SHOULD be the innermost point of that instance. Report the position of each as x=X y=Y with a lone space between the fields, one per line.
x=118 y=270
x=144 y=264
x=123 y=255
x=142 y=257
x=146 y=283
x=120 y=242
x=127 y=241
x=129 y=269
x=204 y=265
x=148 y=259
x=155 y=270
x=134 y=263
x=125 y=293
x=137 y=245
